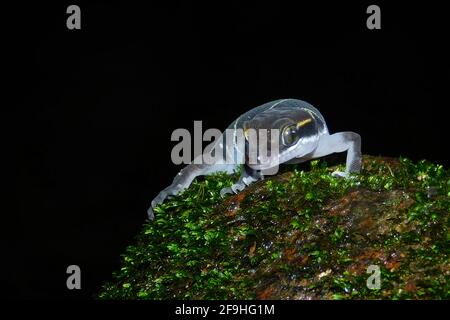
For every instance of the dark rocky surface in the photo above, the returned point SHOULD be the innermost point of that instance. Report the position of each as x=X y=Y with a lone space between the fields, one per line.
x=302 y=234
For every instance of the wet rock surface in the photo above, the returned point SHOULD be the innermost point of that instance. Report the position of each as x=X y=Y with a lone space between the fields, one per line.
x=302 y=234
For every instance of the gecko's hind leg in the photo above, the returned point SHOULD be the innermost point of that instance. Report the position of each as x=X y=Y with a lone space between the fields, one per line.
x=247 y=177
x=340 y=142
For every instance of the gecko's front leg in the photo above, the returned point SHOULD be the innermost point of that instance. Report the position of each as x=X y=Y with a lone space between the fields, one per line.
x=183 y=180
x=340 y=142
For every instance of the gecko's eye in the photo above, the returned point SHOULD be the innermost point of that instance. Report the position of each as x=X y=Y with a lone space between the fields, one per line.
x=290 y=135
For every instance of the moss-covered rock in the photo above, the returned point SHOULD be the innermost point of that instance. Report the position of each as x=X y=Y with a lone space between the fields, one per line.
x=302 y=234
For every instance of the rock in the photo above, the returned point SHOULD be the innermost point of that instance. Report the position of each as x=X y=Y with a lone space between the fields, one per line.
x=302 y=234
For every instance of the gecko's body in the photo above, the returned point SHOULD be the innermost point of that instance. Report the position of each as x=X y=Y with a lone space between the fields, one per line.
x=303 y=136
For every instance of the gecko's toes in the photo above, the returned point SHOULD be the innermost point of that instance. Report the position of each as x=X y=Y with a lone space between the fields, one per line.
x=156 y=202
x=150 y=213
x=225 y=191
x=340 y=174
x=237 y=187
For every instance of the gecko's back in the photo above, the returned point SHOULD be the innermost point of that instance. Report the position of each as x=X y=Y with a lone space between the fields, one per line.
x=274 y=109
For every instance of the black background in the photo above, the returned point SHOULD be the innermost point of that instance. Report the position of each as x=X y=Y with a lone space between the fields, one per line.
x=88 y=130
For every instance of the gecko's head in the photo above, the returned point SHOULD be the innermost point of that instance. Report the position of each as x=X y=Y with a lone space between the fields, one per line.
x=290 y=134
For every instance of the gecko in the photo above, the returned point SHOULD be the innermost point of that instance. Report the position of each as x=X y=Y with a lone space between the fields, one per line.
x=303 y=136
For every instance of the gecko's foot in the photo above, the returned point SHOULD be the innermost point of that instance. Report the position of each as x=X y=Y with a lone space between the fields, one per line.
x=341 y=174
x=150 y=213
x=235 y=188
x=156 y=202
x=163 y=195
x=225 y=191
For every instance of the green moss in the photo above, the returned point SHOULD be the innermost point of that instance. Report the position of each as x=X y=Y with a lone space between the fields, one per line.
x=300 y=234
